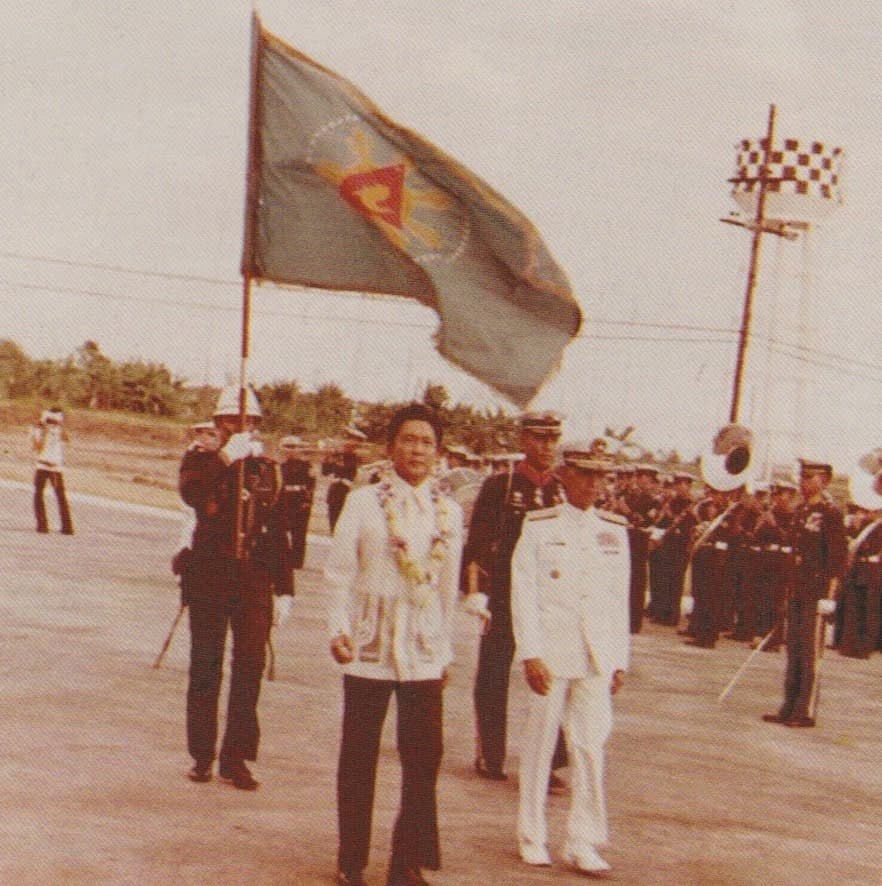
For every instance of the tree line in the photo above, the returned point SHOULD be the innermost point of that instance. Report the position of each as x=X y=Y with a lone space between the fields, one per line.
x=89 y=379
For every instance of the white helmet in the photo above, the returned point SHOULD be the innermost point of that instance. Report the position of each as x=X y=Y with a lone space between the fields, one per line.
x=228 y=403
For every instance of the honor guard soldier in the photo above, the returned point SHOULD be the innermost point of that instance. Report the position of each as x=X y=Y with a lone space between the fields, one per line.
x=239 y=559
x=677 y=523
x=499 y=510
x=47 y=440
x=862 y=587
x=819 y=552
x=342 y=468
x=299 y=483
x=710 y=566
x=641 y=506
x=773 y=562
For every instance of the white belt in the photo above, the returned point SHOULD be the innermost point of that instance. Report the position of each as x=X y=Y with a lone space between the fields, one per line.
x=721 y=545
x=873 y=559
x=786 y=549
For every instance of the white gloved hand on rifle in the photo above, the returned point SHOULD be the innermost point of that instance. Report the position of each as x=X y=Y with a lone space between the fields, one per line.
x=826 y=607
x=476 y=604
x=282 y=609
x=237 y=447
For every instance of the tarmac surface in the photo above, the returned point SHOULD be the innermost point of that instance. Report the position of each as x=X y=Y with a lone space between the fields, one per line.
x=93 y=785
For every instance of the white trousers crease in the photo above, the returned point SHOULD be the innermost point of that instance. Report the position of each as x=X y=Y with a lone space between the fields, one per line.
x=583 y=707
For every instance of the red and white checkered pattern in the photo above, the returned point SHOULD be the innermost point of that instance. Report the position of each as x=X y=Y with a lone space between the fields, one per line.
x=810 y=169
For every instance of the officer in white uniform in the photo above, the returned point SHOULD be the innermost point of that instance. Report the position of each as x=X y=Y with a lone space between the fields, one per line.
x=570 y=609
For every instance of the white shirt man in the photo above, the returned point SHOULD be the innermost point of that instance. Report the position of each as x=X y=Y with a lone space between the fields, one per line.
x=392 y=576
x=570 y=610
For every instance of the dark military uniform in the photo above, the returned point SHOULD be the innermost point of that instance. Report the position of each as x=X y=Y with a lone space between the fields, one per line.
x=710 y=564
x=672 y=558
x=299 y=483
x=861 y=593
x=342 y=468
x=642 y=508
x=772 y=573
x=229 y=592
x=494 y=530
x=819 y=551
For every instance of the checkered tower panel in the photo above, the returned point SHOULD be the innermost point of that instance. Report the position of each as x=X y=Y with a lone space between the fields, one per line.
x=803 y=178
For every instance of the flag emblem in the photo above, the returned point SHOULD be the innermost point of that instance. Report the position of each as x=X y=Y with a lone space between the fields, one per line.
x=384 y=186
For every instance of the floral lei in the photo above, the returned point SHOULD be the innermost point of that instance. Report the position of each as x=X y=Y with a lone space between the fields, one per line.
x=422 y=579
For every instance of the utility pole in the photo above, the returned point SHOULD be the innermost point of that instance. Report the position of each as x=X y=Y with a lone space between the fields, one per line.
x=752 y=273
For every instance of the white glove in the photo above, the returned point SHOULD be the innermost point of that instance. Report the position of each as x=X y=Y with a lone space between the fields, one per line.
x=826 y=606
x=238 y=446
x=476 y=604
x=282 y=609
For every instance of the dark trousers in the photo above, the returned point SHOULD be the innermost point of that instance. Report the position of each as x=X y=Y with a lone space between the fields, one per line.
x=491 y=692
x=337 y=492
x=56 y=480
x=420 y=747
x=639 y=542
x=708 y=576
x=800 y=694
x=860 y=619
x=225 y=596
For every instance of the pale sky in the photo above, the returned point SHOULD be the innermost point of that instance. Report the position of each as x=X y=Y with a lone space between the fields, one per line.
x=611 y=125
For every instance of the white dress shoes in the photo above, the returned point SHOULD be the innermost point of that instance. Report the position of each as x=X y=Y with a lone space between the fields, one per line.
x=587 y=861
x=534 y=854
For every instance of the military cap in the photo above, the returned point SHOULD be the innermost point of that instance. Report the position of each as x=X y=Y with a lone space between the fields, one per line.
x=292 y=441
x=580 y=455
x=203 y=426
x=646 y=469
x=542 y=423
x=808 y=467
x=783 y=483
x=354 y=433
x=683 y=476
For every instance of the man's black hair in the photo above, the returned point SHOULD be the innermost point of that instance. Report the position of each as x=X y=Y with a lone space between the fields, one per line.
x=414 y=412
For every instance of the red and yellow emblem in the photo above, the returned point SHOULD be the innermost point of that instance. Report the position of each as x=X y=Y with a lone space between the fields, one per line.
x=379 y=182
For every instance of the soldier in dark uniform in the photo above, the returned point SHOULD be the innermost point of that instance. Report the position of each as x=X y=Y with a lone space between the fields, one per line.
x=641 y=506
x=773 y=563
x=299 y=482
x=342 y=467
x=494 y=530
x=676 y=523
x=738 y=609
x=862 y=587
x=819 y=551
x=230 y=584
x=710 y=560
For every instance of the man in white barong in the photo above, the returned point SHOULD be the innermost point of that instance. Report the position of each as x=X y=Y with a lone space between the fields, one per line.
x=570 y=610
x=392 y=578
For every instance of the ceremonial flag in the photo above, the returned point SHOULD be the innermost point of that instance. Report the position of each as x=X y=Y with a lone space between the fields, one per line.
x=340 y=197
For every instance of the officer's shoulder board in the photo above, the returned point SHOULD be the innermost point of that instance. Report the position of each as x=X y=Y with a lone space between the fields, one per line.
x=543 y=513
x=612 y=517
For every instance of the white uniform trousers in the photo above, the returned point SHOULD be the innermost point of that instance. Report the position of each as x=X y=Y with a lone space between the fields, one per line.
x=583 y=707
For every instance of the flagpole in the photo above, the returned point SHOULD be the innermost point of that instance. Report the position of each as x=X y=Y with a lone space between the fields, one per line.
x=247 y=259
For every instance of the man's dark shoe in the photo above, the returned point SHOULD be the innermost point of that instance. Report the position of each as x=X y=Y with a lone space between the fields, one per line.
x=773 y=718
x=353 y=878
x=238 y=775
x=67 y=531
x=800 y=722
x=490 y=774
x=701 y=644
x=201 y=772
x=42 y=529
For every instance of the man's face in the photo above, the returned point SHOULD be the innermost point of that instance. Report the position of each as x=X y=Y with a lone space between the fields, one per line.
x=582 y=487
x=539 y=450
x=207 y=438
x=414 y=451
x=812 y=484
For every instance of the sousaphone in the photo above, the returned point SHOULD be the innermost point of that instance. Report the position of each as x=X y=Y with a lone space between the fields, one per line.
x=865 y=481
x=729 y=463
